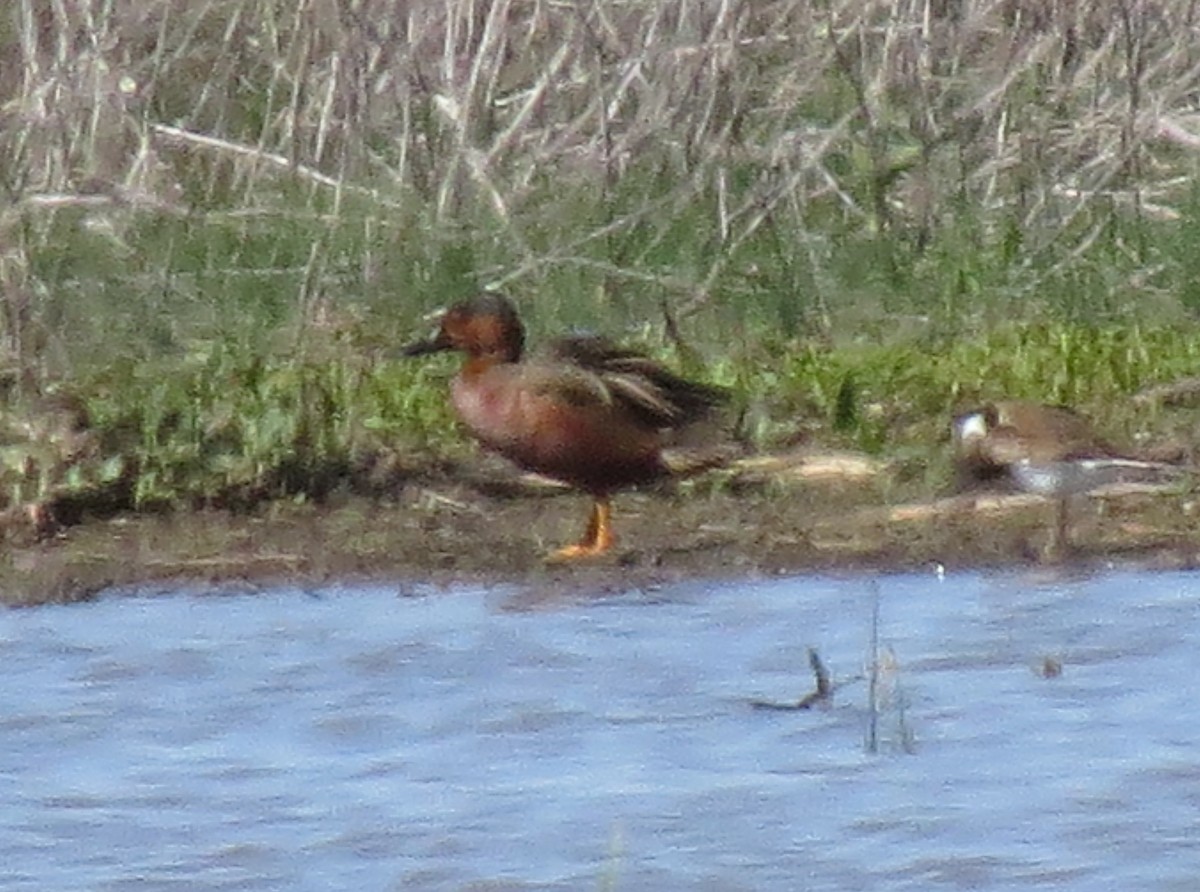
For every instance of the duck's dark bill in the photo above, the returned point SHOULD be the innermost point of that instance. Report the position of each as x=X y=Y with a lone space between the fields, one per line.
x=431 y=345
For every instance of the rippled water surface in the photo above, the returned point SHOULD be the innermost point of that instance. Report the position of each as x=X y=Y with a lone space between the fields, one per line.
x=388 y=738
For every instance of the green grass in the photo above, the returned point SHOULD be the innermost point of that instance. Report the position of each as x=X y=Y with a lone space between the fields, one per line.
x=232 y=416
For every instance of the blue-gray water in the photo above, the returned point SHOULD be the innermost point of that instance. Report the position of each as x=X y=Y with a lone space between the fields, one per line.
x=388 y=738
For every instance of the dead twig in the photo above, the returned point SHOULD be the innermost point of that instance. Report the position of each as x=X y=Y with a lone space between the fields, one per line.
x=822 y=693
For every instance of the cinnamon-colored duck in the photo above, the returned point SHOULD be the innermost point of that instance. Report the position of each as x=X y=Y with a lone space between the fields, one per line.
x=595 y=416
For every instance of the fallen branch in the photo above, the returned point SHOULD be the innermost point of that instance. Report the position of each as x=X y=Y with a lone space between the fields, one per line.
x=822 y=693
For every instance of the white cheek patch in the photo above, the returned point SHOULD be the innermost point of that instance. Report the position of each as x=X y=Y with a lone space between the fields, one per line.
x=971 y=427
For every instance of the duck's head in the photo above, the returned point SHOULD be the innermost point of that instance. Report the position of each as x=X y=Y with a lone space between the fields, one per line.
x=970 y=428
x=483 y=326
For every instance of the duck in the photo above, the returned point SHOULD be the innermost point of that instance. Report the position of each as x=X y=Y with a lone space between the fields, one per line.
x=992 y=439
x=586 y=411
x=1049 y=450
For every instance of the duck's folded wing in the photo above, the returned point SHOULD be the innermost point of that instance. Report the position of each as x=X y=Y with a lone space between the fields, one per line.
x=565 y=383
x=653 y=394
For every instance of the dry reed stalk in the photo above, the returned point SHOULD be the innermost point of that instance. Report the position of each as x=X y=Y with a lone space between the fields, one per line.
x=1034 y=112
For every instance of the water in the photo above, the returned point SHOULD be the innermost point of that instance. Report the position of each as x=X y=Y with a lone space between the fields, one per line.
x=396 y=739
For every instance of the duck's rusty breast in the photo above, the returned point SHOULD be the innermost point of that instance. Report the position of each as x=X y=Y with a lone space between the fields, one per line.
x=557 y=420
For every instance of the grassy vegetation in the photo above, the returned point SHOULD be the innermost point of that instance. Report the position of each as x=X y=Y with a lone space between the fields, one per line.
x=217 y=220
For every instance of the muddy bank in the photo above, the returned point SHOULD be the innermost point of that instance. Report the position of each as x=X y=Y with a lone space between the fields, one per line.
x=493 y=528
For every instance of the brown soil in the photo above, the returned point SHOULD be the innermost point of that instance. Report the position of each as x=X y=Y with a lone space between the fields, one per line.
x=494 y=528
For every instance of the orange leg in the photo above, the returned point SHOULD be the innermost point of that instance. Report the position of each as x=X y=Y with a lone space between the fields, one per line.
x=597 y=538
